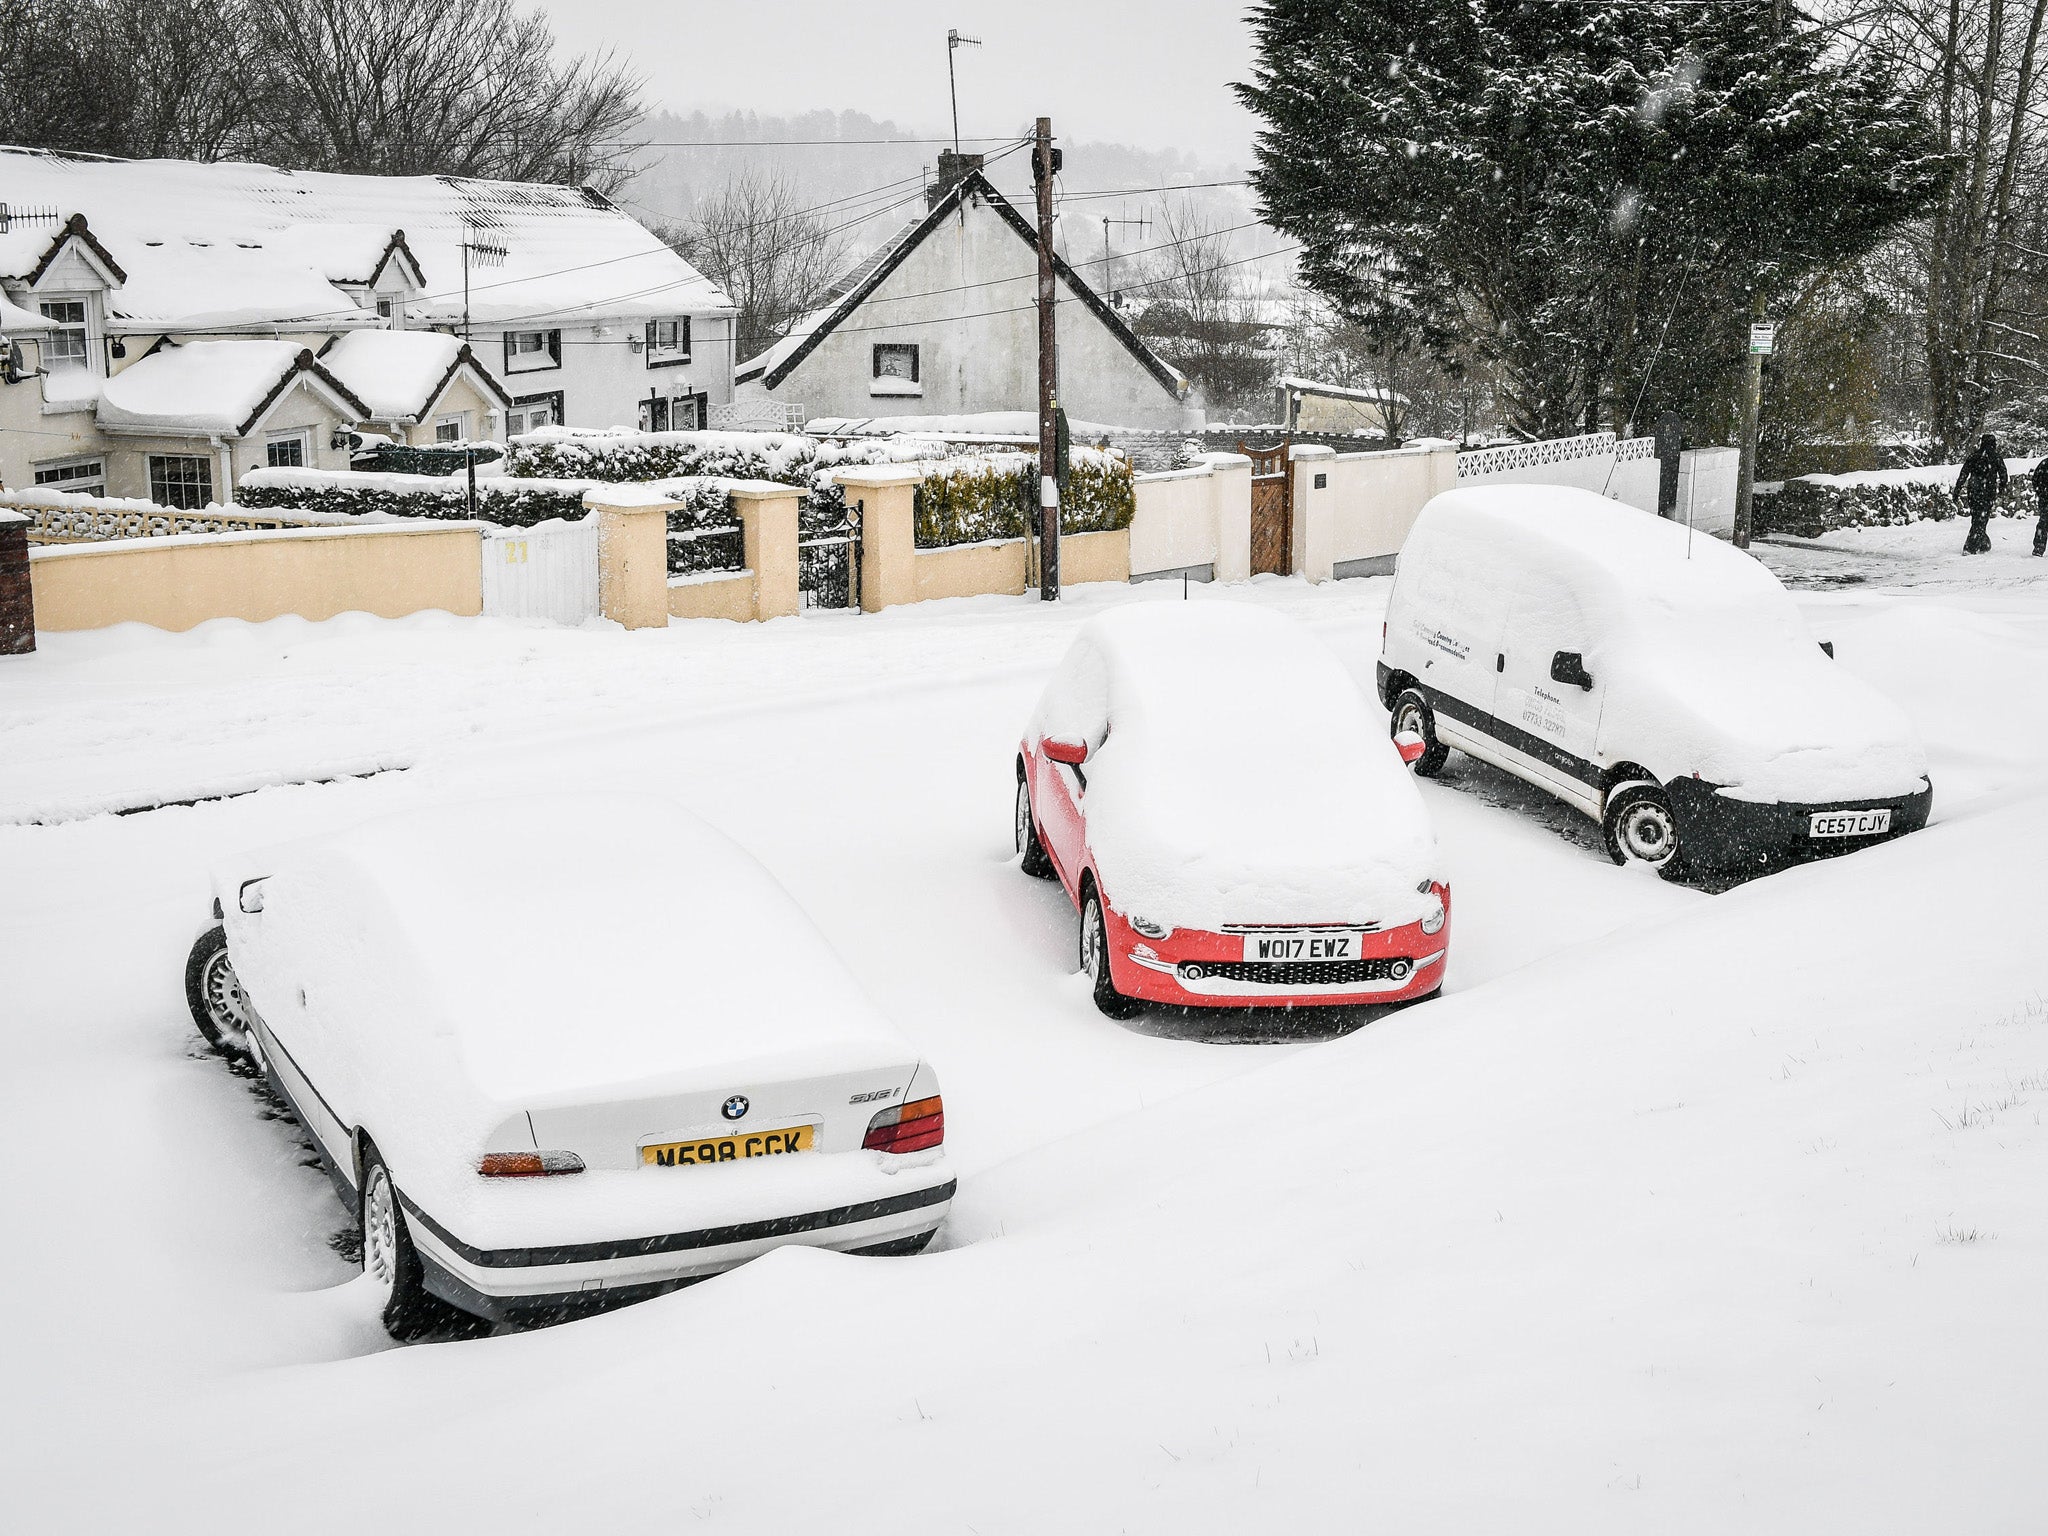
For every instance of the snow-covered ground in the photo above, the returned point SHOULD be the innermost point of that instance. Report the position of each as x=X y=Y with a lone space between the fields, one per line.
x=1679 y=1211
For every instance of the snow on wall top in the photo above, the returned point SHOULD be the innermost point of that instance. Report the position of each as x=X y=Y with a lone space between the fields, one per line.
x=202 y=386
x=232 y=244
x=1236 y=772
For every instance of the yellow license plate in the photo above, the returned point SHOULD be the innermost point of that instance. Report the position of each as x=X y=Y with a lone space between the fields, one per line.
x=729 y=1149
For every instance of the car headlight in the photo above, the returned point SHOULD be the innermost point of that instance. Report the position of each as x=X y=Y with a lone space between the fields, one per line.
x=1433 y=921
x=1150 y=929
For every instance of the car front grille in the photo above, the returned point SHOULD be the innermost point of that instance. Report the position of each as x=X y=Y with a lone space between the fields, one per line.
x=1313 y=973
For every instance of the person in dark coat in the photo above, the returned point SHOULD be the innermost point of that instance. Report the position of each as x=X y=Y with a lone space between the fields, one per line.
x=2040 y=479
x=1979 y=484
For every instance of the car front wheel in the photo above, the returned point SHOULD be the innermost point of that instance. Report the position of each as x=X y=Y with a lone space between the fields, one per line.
x=214 y=994
x=1640 y=828
x=1412 y=715
x=1095 y=961
x=1035 y=862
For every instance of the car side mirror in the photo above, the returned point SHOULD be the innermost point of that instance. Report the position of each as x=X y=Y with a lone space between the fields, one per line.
x=250 y=897
x=1829 y=647
x=1570 y=667
x=1072 y=753
x=1411 y=747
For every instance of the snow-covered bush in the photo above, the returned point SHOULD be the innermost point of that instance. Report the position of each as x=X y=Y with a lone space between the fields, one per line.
x=1814 y=504
x=995 y=496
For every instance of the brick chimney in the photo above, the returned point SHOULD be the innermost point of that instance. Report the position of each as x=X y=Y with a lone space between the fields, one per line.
x=953 y=169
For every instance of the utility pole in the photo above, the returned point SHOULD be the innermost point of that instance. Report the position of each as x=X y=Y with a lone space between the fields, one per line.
x=1762 y=338
x=1108 y=258
x=1045 y=163
x=955 y=41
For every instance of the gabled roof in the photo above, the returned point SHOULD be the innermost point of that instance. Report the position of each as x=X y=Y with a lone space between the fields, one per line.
x=76 y=229
x=400 y=375
x=776 y=364
x=230 y=245
x=214 y=388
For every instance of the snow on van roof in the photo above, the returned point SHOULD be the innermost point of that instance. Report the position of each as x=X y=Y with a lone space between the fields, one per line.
x=574 y=944
x=1238 y=775
x=239 y=244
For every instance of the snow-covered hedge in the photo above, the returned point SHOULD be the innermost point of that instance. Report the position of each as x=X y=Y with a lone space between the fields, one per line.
x=1814 y=504
x=701 y=534
x=995 y=496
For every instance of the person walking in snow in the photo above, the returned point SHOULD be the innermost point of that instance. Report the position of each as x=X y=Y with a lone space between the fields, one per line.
x=1979 y=484
x=2040 y=479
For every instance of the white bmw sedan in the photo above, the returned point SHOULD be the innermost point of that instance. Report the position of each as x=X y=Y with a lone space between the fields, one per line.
x=563 y=1054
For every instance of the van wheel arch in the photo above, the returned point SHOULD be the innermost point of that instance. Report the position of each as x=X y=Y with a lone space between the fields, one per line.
x=1395 y=683
x=1625 y=773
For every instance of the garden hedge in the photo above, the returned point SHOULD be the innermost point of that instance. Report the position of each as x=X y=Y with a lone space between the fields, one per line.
x=1815 y=504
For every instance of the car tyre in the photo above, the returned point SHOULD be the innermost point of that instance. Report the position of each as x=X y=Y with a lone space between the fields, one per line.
x=1411 y=712
x=1639 y=827
x=214 y=994
x=409 y=1310
x=1035 y=861
x=1095 y=961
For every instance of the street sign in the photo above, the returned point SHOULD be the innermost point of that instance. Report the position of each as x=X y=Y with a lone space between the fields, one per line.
x=1763 y=337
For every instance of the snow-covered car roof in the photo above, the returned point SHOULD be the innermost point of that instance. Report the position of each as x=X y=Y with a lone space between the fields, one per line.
x=532 y=951
x=1237 y=773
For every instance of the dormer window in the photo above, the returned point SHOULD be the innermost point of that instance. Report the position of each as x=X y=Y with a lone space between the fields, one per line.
x=383 y=309
x=668 y=342
x=66 y=346
x=530 y=351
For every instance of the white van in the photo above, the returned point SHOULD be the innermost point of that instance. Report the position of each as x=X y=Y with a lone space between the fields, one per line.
x=1661 y=681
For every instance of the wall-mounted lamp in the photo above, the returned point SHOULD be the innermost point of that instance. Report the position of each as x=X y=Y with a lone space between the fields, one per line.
x=117 y=348
x=636 y=342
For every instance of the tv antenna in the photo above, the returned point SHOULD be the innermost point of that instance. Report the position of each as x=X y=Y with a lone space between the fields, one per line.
x=955 y=41
x=477 y=253
x=1109 y=257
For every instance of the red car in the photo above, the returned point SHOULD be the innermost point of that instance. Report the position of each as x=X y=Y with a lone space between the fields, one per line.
x=1226 y=813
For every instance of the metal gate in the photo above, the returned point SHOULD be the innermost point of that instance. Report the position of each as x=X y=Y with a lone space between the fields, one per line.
x=548 y=571
x=1272 y=509
x=828 y=558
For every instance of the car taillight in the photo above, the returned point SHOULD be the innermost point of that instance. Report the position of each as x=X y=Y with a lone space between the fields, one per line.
x=908 y=1127
x=528 y=1165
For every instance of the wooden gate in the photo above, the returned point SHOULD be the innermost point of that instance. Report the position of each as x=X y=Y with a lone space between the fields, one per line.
x=1272 y=510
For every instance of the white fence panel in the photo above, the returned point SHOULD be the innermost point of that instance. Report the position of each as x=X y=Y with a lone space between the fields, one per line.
x=1706 y=489
x=548 y=571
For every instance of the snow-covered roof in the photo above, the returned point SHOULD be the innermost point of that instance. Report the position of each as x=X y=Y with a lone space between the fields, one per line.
x=868 y=273
x=400 y=374
x=1298 y=385
x=212 y=387
x=14 y=318
x=242 y=245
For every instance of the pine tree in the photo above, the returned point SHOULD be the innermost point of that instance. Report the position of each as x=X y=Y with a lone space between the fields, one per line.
x=1569 y=189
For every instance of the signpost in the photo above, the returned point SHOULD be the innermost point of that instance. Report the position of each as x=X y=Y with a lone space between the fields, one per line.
x=1763 y=340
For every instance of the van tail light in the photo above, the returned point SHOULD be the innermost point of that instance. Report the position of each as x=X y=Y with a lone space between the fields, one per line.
x=908 y=1127
x=528 y=1165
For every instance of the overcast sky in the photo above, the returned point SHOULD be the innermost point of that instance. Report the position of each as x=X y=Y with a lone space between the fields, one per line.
x=1151 y=73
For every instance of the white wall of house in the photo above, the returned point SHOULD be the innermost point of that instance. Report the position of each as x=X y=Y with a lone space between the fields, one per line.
x=965 y=299
x=602 y=379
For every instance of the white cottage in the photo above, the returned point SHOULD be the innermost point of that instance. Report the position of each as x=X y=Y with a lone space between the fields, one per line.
x=169 y=325
x=941 y=320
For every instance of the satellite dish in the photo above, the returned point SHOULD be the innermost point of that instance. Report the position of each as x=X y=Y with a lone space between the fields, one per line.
x=14 y=366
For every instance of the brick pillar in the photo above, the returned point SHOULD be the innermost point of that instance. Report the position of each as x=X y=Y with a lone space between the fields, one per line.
x=887 y=497
x=767 y=514
x=632 y=557
x=1315 y=510
x=17 y=597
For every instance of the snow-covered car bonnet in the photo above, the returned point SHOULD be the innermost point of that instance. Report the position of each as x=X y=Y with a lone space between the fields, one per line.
x=1236 y=774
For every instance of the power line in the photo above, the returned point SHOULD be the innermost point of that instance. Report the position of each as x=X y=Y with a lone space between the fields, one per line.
x=987 y=138
x=1186 y=186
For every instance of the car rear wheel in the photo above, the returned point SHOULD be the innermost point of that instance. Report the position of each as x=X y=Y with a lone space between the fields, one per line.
x=214 y=994
x=1640 y=828
x=1412 y=713
x=1035 y=862
x=390 y=1260
x=1095 y=961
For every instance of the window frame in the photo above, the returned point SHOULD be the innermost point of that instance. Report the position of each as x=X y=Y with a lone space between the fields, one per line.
x=299 y=439
x=49 y=475
x=674 y=355
x=81 y=328
x=459 y=420
x=547 y=355
x=163 y=488
x=916 y=375
x=552 y=399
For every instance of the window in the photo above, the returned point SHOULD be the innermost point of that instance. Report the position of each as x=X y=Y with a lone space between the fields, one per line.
x=66 y=346
x=654 y=414
x=528 y=351
x=668 y=342
x=451 y=429
x=383 y=309
x=686 y=414
x=184 y=481
x=896 y=369
x=530 y=413
x=285 y=450
x=83 y=477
